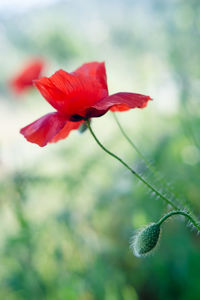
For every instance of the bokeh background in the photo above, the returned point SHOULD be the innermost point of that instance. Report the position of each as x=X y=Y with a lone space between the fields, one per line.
x=68 y=211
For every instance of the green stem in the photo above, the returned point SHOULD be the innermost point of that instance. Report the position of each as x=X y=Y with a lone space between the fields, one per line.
x=147 y=163
x=179 y=212
x=130 y=141
x=131 y=170
x=192 y=220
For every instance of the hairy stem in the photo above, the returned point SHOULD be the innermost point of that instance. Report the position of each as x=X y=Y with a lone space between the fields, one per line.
x=130 y=141
x=147 y=163
x=179 y=212
x=152 y=188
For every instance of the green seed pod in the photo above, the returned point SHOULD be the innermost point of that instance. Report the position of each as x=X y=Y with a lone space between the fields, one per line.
x=146 y=239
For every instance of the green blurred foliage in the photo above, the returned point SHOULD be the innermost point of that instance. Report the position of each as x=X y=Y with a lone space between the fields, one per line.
x=67 y=215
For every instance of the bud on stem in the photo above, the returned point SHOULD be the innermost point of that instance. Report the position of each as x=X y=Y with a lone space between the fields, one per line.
x=147 y=238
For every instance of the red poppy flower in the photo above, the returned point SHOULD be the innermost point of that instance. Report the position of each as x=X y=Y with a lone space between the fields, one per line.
x=24 y=79
x=77 y=96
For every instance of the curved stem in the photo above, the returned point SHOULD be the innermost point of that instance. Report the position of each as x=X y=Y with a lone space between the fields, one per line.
x=179 y=212
x=130 y=141
x=131 y=170
x=147 y=163
x=192 y=220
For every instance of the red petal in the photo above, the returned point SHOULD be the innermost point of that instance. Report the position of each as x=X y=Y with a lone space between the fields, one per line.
x=94 y=70
x=64 y=132
x=25 y=78
x=121 y=102
x=71 y=93
x=44 y=129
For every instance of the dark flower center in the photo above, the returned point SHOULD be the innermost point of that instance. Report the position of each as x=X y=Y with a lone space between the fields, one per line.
x=76 y=118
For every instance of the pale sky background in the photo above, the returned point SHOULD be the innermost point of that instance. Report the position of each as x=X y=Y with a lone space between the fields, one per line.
x=23 y=4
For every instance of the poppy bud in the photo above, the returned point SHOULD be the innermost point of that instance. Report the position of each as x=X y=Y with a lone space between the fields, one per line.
x=146 y=239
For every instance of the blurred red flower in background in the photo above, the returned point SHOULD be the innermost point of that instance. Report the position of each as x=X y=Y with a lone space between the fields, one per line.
x=77 y=96
x=24 y=79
